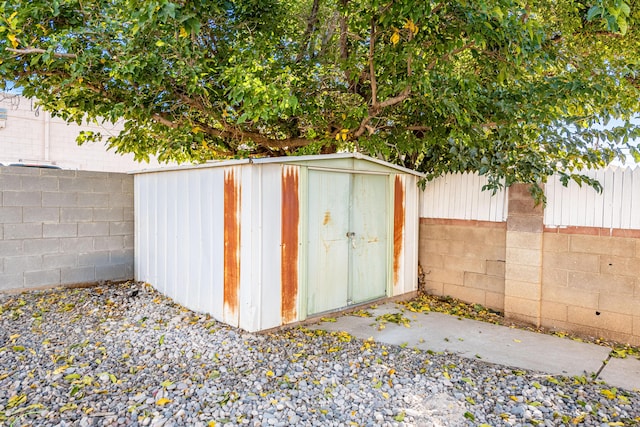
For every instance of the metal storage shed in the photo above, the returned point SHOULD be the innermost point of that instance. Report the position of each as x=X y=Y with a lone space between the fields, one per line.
x=259 y=243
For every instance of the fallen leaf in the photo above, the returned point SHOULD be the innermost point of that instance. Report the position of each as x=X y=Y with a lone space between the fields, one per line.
x=163 y=401
x=16 y=400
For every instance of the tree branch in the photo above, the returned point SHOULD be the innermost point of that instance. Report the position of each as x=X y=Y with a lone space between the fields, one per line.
x=311 y=25
x=31 y=51
x=437 y=8
x=344 y=49
x=372 y=71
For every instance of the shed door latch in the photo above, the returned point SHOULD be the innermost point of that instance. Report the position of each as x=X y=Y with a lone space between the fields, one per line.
x=352 y=236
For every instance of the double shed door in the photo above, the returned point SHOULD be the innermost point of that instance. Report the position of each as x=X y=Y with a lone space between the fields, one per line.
x=347 y=239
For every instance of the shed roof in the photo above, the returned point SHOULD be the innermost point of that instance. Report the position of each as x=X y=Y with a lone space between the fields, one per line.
x=286 y=159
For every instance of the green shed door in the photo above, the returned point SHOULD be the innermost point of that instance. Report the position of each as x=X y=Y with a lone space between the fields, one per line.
x=347 y=247
x=369 y=218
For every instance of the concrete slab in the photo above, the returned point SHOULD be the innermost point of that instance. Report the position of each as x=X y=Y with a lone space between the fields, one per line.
x=491 y=343
x=624 y=373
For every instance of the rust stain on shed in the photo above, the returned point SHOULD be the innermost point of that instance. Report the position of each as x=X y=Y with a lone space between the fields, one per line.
x=327 y=218
x=231 y=243
x=398 y=227
x=289 y=248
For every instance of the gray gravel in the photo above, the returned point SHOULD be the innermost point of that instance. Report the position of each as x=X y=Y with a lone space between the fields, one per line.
x=125 y=355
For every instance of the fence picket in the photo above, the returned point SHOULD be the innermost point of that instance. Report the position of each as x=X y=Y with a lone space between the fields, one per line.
x=460 y=196
x=635 y=200
x=618 y=206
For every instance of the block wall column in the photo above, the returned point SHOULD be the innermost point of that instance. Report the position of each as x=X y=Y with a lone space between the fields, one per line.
x=523 y=261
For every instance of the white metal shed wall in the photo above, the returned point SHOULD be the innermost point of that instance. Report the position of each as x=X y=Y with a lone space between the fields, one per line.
x=180 y=240
x=179 y=236
x=406 y=255
x=228 y=239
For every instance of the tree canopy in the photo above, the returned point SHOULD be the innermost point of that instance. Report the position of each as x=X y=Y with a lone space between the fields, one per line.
x=515 y=89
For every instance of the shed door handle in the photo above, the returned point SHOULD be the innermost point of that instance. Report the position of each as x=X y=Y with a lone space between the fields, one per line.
x=352 y=236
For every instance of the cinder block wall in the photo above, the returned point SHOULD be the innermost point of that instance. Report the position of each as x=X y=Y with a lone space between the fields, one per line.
x=464 y=259
x=60 y=227
x=583 y=280
x=591 y=283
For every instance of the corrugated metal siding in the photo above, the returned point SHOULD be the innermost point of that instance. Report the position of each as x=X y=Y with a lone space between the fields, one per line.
x=399 y=222
x=290 y=239
x=229 y=240
x=618 y=206
x=232 y=234
x=179 y=236
x=408 y=261
x=201 y=239
x=269 y=262
x=460 y=196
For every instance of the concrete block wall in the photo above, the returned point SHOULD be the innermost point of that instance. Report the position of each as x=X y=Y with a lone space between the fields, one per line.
x=591 y=283
x=62 y=227
x=523 y=268
x=584 y=280
x=464 y=259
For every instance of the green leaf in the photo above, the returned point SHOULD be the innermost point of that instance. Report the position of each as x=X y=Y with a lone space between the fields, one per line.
x=72 y=377
x=593 y=12
x=499 y=92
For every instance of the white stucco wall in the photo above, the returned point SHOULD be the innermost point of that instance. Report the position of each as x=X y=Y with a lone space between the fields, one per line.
x=32 y=135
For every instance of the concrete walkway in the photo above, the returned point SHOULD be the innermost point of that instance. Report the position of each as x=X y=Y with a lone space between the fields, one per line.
x=492 y=343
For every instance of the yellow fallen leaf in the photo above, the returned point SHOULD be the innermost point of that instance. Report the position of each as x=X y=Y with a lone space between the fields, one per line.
x=16 y=400
x=269 y=373
x=60 y=369
x=163 y=401
x=608 y=394
x=516 y=340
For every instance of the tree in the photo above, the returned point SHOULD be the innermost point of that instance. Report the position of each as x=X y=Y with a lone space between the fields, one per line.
x=514 y=89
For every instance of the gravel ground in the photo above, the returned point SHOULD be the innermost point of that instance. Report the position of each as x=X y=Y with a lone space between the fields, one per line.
x=125 y=355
